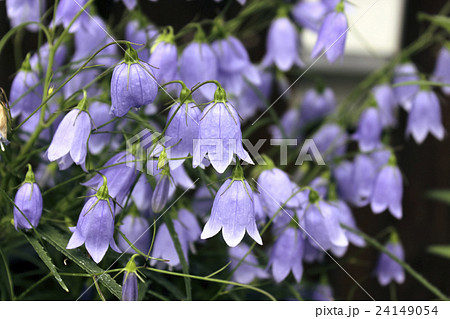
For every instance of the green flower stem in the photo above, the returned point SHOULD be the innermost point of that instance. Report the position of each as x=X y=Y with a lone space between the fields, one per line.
x=405 y=266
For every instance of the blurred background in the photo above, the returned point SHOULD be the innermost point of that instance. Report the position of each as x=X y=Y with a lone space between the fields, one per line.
x=383 y=29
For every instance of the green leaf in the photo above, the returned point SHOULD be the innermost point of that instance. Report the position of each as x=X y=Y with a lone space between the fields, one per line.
x=442 y=195
x=40 y=250
x=59 y=241
x=440 y=250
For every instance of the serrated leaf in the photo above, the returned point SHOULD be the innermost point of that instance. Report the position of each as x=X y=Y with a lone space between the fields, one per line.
x=59 y=241
x=442 y=195
x=42 y=253
x=440 y=250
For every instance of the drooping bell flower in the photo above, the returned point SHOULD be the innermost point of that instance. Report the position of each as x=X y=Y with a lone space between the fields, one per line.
x=220 y=134
x=362 y=181
x=287 y=254
x=331 y=141
x=289 y=123
x=384 y=96
x=95 y=226
x=332 y=35
x=129 y=4
x=21 y=11
x=388 y=190
x=164 y=57
x=142 y=33
x=130 y=285
x=440 y=73
x=90 y=38
x=99 y=138
x=309 y=14
x=28 y=203
x=233 y=211
x=132 y=84
x=249 y=268
x=345 y=217
x=183 y=123
x=368 y=133
x=40 y=61
x=70 y=140
x=387 y=269
x=283 y=45
x=203 y=201
x=164 y=246
x=322 y=224
x=197 y=64
x=404 y=94
x=425 y=117
x=136 y=230
x=161 y=193
x=26 y=92
x=120 y=172
x=342 y=174
x=317 y=104
x=67 y=10
x=141 y=193
x=190 y=223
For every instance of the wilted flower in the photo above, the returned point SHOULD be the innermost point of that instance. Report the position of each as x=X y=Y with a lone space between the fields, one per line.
x=332 y=35
x=233 y=212
x=95 y=226
x=249 y=268
x=21 y=11
x=70 y=140
x=136 y=230
x=404 y=94
x=368 y=133
x=388 y=190
x=283 y=44
x=28 y=203
x=220 y=134
x=287 y=254
x=132 y=84
x=198 y=63
x=388 y=269
x=425 y=117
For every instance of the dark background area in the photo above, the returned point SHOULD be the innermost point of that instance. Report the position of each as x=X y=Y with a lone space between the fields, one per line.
x=425 y=167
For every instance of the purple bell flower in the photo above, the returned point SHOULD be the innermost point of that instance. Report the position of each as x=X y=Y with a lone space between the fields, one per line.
x=25 y=93
x=141 y=34
x=120 y=176
x=71 y=136
x=425 y=117
x=331 y=141
x=317 y=105
x=404 y=94
x=387 y=269
x=182 y=130
x=283 y=44
x=141 y=193
x=289 y=122
x=309 y=14
x=388 y=191
x=198 y=63
x=161 y=194
x=164 y=58
x=99 y=113
x=21 y=11
x=203 y=201
x=332 y=36
x=368 y=133
x=129 y=286
x=233 y=212
x=345 y=217
x=248 y=269
x=219 y=135
x=66 y=11
x=28 y=202
x=132 y=84
x=384 y=95
x=363 y=179
x=136 y=229
x=342 y=174
x=275 y=189
x=40 y=61
x=440 y=73
x=164 y=247
x=95 y=226
x=130 y=4
x=287 y=254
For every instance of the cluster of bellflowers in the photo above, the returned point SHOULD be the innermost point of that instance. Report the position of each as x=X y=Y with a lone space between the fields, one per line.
x=197 y=150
